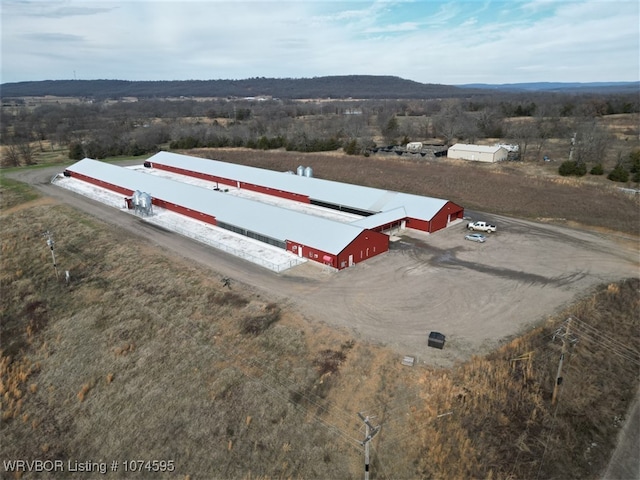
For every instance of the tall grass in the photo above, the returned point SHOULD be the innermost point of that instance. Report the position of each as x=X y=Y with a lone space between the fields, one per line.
x=503 y=423
x=148 y=355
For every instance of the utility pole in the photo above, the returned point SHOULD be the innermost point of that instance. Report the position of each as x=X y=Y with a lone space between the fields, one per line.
x=564 y=338
x=50 y=244
x=370 y=432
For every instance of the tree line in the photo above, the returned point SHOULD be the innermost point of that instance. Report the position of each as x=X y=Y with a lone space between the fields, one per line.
x=104 y=129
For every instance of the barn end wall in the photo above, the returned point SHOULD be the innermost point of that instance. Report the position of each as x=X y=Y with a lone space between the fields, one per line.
x=446 y=214
x=366 y=245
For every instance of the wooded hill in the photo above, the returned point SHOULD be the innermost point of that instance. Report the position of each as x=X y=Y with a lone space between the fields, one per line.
x=335 y=87
x=354 y=86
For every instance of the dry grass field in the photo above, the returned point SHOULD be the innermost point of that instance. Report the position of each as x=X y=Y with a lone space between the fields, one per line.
x=147 y=356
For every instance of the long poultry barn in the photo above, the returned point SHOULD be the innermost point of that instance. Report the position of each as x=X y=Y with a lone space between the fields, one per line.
x=383 y=209
x=329 y=242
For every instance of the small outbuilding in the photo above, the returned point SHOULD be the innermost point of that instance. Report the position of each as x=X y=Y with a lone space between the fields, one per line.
x=478 y=153
x=436 y=340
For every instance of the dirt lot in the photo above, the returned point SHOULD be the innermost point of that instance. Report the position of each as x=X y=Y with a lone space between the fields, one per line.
x=478 y=295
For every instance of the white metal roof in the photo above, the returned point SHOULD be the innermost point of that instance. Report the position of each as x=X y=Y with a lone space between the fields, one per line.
x=476 y=148
x=269 y=220
x=368 y=199
x=382 y=218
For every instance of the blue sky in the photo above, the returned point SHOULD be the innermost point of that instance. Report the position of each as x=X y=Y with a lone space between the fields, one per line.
x=429 y=41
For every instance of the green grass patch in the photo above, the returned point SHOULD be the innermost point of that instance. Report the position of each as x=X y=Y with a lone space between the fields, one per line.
x=14 y=193
x=127 y=158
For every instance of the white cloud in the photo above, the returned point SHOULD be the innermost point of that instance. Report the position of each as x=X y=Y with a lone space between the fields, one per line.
x=431 y=42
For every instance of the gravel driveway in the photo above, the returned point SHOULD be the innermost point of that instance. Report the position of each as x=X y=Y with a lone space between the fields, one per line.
x=477 y=294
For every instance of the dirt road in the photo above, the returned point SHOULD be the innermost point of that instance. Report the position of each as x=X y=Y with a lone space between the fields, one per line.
x=478 y=295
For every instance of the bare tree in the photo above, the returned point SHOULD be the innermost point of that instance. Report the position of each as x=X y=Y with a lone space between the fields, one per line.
x=490 y=122
x=591 y=143
x=523 y=132
x=452 y=122
x=26 y=152
x=11 y=157
x=547 y=128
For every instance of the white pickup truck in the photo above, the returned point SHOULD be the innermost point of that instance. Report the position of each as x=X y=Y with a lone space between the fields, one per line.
x=481 y=227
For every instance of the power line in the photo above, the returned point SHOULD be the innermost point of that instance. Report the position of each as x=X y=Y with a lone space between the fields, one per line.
x=331 y=409
x=614 y=346
x=413 y=429
x=340 y=432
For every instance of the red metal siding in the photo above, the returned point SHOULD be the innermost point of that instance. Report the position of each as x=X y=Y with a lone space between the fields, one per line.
x=312 y=253
x=156 y=201
x=100 y=183
x=191 y=173
x=185 y=211
x=387 y=226
x=439 y=221
x=450 y=211
x=366 y=245
x=418 y=224
x=234 y=183
x=275 y=192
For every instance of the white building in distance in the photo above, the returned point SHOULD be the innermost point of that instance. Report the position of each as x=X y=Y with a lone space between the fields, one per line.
x=478 y=153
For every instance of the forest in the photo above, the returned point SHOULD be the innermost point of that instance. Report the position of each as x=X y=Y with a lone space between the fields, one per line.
x=349 y=86
x=75 y=127
x=337 y=86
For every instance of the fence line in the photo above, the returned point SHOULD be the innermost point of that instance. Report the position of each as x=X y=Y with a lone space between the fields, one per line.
x=115 y=200
x=276 y=267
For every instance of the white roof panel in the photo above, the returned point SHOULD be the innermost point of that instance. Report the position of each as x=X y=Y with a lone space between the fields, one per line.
x=382 y=218
x=368 y=199
x=268 y=220
x=466 y=147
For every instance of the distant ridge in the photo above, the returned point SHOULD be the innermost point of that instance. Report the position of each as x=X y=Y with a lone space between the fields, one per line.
x=338 y=87
x=565 y=87
x=335 y=87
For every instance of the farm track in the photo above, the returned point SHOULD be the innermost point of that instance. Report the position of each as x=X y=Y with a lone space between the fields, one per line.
x=478 y=295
